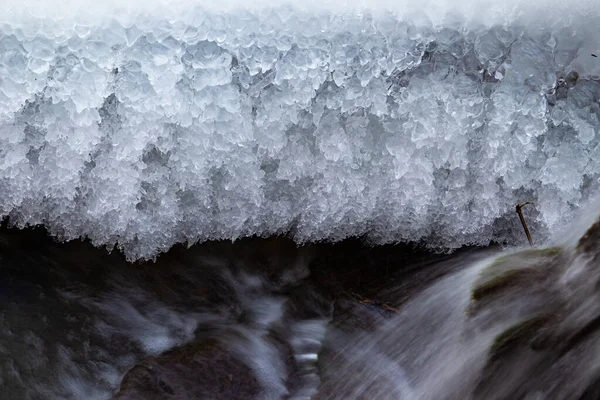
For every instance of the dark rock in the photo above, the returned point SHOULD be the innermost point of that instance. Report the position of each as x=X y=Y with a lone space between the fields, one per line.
x=200 y=370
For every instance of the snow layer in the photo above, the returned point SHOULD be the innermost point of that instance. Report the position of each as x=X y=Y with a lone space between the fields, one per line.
x=156 y=125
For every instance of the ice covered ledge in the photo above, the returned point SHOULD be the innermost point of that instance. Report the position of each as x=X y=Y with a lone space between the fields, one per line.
x=488 y=12
x=166 y=122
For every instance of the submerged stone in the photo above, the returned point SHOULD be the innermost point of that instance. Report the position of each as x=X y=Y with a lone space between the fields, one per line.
x=201 y=370
x=546 y=306
x=521 y=334
x=508 y=271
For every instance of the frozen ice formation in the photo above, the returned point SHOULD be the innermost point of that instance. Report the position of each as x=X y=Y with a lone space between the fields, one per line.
x=144 y=129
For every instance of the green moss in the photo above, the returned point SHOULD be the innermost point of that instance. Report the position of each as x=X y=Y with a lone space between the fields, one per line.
x=525 y=255
x=519 y=334
x=507 y=270
x=497 y=283
x=551 y=251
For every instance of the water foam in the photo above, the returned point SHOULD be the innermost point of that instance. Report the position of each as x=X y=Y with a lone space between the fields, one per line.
x=162 y=124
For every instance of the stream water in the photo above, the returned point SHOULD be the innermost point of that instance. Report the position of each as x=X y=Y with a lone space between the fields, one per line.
x=265 y=319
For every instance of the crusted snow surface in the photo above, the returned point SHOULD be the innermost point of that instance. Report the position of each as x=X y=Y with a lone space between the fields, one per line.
x=146 y=128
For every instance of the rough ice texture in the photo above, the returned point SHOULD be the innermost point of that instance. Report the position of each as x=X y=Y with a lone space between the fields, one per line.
x=141 y=132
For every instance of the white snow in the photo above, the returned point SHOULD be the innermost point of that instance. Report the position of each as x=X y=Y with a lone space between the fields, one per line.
x=161 y=123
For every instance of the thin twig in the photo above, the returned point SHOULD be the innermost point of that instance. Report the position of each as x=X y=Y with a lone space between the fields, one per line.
x=519 y=207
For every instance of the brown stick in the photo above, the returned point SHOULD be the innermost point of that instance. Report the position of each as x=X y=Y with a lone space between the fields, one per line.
x=519 y=206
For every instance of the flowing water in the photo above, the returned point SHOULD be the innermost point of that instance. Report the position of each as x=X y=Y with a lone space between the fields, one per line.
x=265 y=319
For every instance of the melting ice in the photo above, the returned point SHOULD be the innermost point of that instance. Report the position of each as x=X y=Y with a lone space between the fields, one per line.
x=161 y=124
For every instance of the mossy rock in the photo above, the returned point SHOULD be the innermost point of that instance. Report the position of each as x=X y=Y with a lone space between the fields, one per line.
x=525 y=256
x=498 y=283
x=520 y=334
x=507 y=271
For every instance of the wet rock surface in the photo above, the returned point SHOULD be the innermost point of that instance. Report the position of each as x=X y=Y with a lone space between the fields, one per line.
x=200 y=370
x=548 y=346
